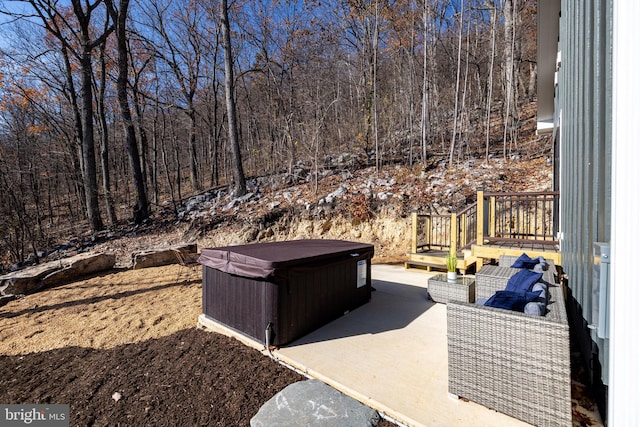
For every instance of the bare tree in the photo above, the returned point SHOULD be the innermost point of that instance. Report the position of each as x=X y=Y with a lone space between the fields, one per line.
x=363 y=22
x=104 y=133
x=240 y=185
x=508 y=70
x=457 y=90
x=181 y=47
x=494 y=15
x=119 y=15
x=85 y=40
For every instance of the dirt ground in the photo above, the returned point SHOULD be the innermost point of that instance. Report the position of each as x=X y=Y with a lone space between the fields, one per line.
x=132 y=332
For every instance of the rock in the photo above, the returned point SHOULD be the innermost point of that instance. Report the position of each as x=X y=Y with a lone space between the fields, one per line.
x=161 y=256
x=54 y=273
x=313 y=403
x=245 y=198
x=329 y=198
x=78 y=266
x=25 y=281
x=230 y=205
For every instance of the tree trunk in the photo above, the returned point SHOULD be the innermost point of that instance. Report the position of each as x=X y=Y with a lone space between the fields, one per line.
x=455 y=109
x=490 y=80
x=193 y=163
x=238 y=172
x=508 y=69
x=424 y=117
x=75 y=153
x=374 y=84
x=144 y=140
x=104 y=140
x=88 y=145
x=533 y=77
x=141 y=209
x=165 y=163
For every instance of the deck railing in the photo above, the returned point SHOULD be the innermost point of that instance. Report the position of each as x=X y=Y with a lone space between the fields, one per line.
x=467 y=224
x=495 y=217
x=434 y=231
x=518 y=217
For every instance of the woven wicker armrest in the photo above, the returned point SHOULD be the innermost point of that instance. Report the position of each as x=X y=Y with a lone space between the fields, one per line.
x=511 y=362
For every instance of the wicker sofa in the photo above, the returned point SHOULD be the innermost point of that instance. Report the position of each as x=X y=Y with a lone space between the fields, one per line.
x=514 y=363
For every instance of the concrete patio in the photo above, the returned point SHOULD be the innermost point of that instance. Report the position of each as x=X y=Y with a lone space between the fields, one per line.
x=390 y=354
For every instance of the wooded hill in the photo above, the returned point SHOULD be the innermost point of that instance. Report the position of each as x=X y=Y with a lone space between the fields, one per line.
x=110 y=110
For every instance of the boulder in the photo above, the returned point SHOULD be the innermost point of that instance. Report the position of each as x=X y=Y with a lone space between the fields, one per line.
x=313 y=403
x=162 y=256
x=78 y=266
x=54 y=273
x=26 y=280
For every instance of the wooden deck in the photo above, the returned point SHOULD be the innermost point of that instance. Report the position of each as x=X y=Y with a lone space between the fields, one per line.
x=497 y=224
x=472 y=260
x=493 y=250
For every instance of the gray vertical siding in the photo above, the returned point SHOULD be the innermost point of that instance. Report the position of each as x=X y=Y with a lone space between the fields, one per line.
x=584 y=102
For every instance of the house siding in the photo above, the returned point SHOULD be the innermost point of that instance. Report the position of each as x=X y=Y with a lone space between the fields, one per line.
x=583 y=111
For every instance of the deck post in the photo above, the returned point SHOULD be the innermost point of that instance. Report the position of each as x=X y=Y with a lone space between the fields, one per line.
x=427 y=230
x=414 y=232
x=480 y=222
x=453 y=239
x=464 y=219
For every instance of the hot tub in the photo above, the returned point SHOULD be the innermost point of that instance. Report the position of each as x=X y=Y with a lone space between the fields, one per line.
x=289 y=288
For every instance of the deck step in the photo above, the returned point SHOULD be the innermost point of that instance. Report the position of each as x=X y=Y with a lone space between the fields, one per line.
x=423 y=264
x=436 y=260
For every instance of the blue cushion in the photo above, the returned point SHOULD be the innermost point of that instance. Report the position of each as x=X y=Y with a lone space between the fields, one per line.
x=511 y=300
x=542 y=266
x=542 y=287
x=535 y=308
x=522 y=281
x=525 y=262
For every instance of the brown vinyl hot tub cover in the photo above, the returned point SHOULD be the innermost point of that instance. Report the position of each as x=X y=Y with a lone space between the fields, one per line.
x=264 y=260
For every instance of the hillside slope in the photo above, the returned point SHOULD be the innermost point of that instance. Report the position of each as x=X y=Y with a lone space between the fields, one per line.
x=350 y=204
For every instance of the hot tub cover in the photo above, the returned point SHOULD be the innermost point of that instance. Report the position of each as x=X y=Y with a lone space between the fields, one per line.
x=264 y=260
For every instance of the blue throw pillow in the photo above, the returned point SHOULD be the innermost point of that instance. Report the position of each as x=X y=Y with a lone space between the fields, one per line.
x=511 y=300
x=542 y=287
x=542 y=266
x=525 y=262
x=535 y=308
x=522 y=281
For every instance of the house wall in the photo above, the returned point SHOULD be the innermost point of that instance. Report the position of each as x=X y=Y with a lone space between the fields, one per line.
x=624 y=374
x=583 y=116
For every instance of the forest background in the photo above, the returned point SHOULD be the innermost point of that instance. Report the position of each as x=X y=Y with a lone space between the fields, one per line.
x=112 y=111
